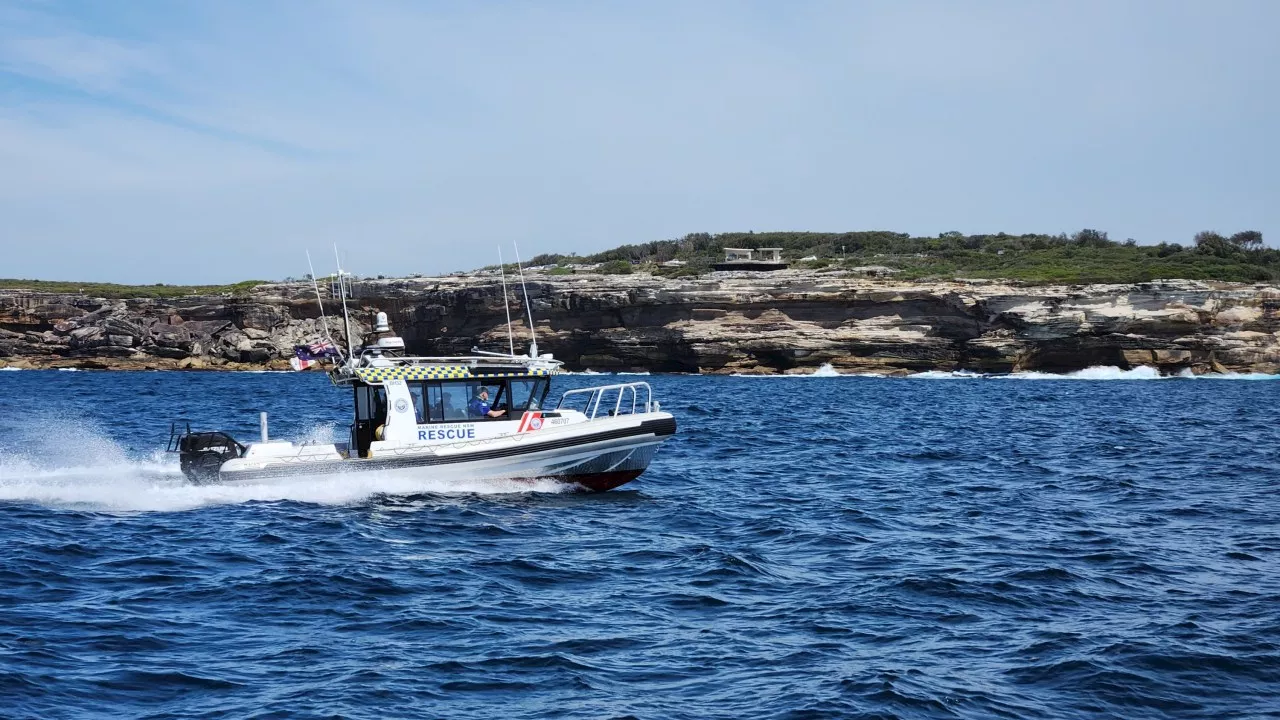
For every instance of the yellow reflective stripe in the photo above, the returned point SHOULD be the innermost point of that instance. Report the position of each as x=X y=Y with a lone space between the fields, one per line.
x=437 y=372
x=412 y=373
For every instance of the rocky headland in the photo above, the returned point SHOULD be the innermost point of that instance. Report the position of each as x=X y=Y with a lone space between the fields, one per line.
x=787 y=321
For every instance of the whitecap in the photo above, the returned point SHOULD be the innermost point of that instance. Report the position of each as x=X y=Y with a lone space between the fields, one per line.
x=1097 y=372
x=947 y=375
x=826 y=370
x=1227 y=376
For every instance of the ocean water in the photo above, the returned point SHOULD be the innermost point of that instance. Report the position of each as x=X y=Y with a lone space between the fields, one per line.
x=940 y=546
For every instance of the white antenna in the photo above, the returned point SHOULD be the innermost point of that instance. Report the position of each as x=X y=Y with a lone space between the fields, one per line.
x=533 y=339
x=511 y=340
x=314 y=286
x=342 y=291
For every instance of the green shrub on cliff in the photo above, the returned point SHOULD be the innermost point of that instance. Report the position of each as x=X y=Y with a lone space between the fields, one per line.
x=1089 y=255
x=615 y=267
x=112 y=290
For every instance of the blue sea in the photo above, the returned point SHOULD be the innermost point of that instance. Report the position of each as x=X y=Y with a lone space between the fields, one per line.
x=939 y=546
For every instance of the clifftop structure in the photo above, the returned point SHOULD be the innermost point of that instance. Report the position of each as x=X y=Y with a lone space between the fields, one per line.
x=758 y=259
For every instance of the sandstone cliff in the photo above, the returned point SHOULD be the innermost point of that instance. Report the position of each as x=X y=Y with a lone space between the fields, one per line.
x=726 y=322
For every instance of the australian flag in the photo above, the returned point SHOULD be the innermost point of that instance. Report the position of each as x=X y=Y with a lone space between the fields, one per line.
x=317 y=350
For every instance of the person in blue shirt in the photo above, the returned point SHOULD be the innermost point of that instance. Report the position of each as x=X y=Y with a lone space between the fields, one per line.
x=479 y=405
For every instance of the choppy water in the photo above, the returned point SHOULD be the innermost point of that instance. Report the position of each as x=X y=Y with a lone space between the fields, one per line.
x=805 y=547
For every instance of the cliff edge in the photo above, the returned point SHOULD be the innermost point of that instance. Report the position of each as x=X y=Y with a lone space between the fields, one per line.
x=787 y=321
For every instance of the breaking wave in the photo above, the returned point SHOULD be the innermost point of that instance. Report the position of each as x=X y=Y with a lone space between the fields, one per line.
x=824 y=371
x=947 y=375
x=1098 y=372
x=1227 y=376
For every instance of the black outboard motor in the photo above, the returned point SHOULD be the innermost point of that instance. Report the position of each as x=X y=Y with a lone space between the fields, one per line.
x=201 y=454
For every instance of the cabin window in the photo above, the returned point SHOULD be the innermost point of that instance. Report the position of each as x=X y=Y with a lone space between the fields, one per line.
x=415 y=390
x=428 y=401
x=528 y=394
x=450 y=401
x=453 y=400
x=435 y=403
x=497 y=398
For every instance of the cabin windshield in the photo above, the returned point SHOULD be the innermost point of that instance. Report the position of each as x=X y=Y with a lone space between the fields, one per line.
x=461 y=400
x=529 y=394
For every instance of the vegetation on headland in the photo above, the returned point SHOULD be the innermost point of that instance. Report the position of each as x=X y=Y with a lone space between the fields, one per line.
x=1085 y=257
x=1088 y=256
x=114 y=291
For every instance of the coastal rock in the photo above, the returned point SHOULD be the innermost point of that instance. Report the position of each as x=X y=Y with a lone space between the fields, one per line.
x=787 y=321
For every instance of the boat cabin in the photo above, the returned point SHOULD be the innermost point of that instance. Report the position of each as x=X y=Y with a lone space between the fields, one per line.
x=413 y=404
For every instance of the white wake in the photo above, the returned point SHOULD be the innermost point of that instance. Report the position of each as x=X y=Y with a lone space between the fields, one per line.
x=95 y=473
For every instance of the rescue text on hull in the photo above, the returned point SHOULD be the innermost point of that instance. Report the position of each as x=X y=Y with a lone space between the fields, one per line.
x=457 y=418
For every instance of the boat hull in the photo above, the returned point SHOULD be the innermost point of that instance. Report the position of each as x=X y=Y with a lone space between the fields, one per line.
x=600 y=455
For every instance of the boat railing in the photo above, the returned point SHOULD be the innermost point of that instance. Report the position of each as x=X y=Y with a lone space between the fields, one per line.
x=599 y=395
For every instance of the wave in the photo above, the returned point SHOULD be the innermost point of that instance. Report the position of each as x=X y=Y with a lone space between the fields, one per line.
x=1227 y=376
x=9 y=369
x=825 y=371
x=947 y=375
x=1097 y=372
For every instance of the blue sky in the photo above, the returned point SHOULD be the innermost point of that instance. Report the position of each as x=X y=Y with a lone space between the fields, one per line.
x=183 y=142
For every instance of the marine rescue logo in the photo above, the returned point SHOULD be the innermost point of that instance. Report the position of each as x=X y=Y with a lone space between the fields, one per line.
x=530 y=422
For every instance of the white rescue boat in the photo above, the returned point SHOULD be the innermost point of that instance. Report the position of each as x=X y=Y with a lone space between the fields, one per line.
x=481 y=416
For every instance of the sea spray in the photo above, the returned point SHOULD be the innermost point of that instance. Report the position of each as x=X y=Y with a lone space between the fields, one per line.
x=946 y=375
x=147 y=486
x=1097 y=372
x=96 y=473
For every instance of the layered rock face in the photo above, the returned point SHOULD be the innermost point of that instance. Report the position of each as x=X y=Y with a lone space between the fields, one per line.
x=54 y=330
x=789 y=321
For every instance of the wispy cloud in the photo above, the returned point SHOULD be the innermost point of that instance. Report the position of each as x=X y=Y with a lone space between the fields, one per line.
x=135 y=137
